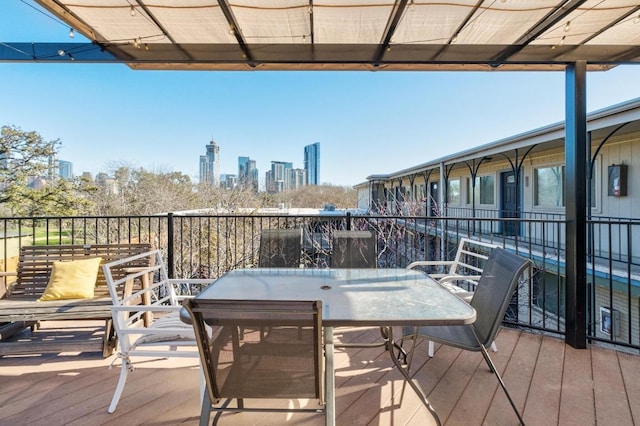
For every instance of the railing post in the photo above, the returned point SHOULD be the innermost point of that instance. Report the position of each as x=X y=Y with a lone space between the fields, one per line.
x=348 y=219
x=170 y=266
x=576 y=204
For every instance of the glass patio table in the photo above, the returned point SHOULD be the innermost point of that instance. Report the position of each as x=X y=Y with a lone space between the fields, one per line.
x=352 y=297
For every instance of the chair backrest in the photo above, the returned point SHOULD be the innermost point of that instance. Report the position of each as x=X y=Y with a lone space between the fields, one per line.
x=259 y=349
x=493 y=293
x=127 y=289
x=280 y=248
x=354 y=249
x=471 y=257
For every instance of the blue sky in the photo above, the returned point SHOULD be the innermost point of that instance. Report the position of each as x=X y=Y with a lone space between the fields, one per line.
x=366 y=122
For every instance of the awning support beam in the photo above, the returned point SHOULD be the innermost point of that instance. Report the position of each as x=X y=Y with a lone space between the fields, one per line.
x=576 y=204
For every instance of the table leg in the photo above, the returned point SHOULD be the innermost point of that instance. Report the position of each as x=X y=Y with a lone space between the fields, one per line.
x=415 y=386
x=330 y=378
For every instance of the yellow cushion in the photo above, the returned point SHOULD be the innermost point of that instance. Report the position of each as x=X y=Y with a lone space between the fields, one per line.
x=75 y=279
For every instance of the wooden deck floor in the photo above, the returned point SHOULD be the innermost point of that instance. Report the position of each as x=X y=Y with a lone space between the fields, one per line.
x=550 y=382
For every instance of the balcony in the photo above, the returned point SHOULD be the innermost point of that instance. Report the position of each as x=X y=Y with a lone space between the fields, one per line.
x=551 y=382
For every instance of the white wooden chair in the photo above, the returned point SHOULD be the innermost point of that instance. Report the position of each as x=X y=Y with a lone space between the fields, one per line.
x=464 y=270
x=146 y=318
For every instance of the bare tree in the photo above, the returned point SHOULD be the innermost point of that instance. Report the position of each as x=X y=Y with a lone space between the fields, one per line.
x=317 y=196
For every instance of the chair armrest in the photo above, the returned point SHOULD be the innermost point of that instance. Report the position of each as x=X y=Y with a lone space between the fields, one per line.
x=8 y=274
x=449 y=283
x=449 y=278
x=429 y=263
x=177 y=282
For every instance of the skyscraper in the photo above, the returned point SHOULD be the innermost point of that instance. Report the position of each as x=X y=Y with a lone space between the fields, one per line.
x=65 y=169
x=228 y=181
x=312 y=163
x=210 y=165
x=297 y=178
x=277 y=179
x=247 y=172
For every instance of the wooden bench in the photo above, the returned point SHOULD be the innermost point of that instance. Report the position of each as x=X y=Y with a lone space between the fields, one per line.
x=19 y=308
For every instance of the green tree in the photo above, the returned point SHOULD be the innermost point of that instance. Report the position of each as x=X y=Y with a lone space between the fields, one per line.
x=29 y=182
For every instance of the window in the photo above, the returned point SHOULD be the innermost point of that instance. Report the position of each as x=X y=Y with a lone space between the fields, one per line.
x=421 y=193
x=549 y=186
x=453 y=192
x=484 y=191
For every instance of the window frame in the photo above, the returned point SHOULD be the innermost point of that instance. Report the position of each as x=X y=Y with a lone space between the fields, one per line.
x=596 y=189
x=479 y=192
x=534 y=202
x=458 y=200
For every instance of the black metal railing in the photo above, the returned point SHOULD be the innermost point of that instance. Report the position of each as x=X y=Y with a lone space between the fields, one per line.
x=207 y=246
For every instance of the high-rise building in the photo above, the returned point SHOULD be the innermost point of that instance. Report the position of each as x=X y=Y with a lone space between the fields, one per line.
x=228 y=181
x=53 y=169
x=210 y=165
x=297 y=178
x=247 y=172
x=65 y=169
x=278 y=178
x=312 y=163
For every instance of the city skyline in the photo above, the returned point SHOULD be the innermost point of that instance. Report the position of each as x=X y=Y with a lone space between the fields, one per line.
x=281 y=175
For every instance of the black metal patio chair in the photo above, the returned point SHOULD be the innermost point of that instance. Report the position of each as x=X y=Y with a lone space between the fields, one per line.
x=354 y=249
x=491 y=299
x=280 y=248
x=288 y=362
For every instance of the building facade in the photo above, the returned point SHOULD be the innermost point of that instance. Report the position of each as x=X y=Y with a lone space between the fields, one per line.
x=312 y=163
x=210 y=165
x=512 y=190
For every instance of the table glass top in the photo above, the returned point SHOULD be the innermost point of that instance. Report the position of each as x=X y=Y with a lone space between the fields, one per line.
x=350 y=296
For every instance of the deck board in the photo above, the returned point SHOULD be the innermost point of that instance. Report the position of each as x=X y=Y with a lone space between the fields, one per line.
x=553 y=384
x=612 y=406
x=629 y=369
x=577 y=405
x=546 y=384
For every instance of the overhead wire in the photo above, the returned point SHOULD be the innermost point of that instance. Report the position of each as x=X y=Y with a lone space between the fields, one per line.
x=48 y=15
